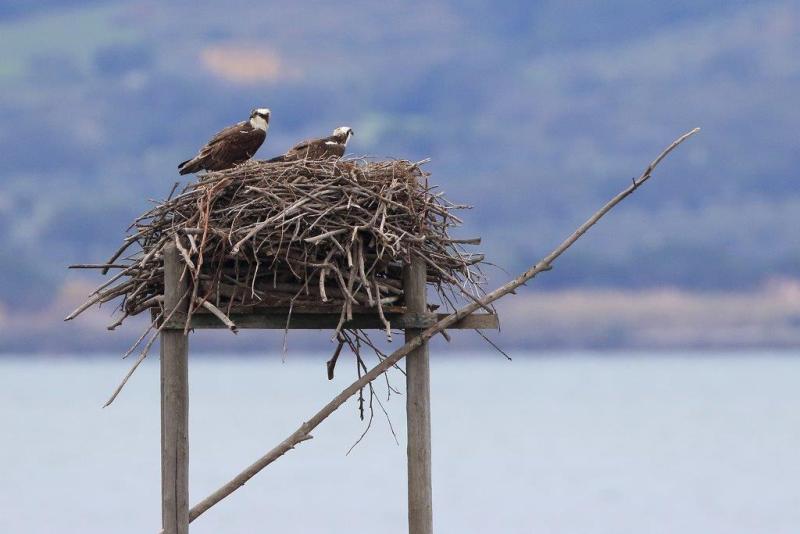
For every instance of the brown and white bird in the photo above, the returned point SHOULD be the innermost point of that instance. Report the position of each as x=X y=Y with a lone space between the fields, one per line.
x=326 y=147
x=231 y=146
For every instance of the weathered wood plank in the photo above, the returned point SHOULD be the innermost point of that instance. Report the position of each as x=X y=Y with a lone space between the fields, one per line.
x=174 y=406
x=323 y=321
x=418 y=408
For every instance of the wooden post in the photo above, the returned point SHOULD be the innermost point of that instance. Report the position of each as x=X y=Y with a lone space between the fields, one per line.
x=418 y=408
x=174 y=405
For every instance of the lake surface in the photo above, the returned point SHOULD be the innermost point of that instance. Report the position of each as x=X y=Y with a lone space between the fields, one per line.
x=567 y=444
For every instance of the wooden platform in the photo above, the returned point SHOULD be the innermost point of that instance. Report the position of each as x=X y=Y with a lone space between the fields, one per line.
x=413 y=319
x=322 y=319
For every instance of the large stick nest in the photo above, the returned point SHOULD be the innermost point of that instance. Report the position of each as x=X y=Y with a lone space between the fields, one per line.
x=335 y=233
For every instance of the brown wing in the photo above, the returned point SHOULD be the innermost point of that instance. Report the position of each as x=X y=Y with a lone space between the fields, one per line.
x=234 y=147
x=315 y=149
x=300 y=150
x=221 y=135
x=228 y=147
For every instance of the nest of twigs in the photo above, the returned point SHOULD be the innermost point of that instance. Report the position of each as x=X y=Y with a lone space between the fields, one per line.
x=332 y=234
x=263 y=235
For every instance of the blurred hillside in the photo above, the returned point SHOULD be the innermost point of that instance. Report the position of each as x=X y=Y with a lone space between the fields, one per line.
x=534 y=112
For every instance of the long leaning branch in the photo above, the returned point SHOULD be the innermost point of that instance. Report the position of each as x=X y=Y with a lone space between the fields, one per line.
x=304 y=432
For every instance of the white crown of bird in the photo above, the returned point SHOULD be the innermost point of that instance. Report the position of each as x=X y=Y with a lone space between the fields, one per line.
x=259 y=118
x=346 y=131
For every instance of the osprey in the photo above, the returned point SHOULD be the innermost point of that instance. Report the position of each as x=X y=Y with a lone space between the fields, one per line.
x=326 y=147
x=231 y=146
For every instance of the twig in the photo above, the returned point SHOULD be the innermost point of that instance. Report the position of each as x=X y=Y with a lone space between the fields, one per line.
x=331 y=364
x=219 y=314
x=133 y=368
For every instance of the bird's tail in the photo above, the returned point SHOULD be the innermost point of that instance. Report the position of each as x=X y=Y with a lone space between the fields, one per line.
x=189 y=166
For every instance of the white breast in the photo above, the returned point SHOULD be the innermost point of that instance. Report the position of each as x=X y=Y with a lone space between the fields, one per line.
x=259 y=123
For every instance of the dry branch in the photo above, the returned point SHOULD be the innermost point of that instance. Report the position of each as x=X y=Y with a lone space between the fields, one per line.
x=303 y=432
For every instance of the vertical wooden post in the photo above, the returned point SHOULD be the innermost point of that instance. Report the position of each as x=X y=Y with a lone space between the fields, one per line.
x=174 y=405
x=418 y=408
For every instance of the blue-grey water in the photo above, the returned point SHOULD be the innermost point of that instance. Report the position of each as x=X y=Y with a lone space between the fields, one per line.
x=577 y=444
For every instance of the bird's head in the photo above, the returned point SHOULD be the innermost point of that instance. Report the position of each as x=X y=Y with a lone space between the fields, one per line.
x=259 y=118
x=343 y=134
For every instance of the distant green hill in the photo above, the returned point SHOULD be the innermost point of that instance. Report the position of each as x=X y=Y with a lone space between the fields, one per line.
x=533 y=112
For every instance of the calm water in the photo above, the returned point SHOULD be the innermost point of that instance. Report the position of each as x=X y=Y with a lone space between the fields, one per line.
x=578 y=444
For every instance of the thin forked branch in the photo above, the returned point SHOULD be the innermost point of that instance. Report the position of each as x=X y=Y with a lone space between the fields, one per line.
x=545 y=264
